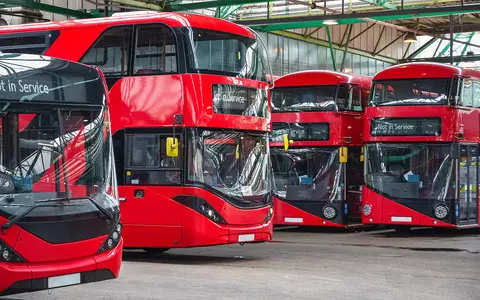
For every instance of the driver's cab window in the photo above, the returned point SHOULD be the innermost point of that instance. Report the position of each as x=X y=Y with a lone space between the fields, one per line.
x=383 y=93
x=467 y=93
x=356 y=98
x=147 y=162
x=349 y=98
x=342 y=97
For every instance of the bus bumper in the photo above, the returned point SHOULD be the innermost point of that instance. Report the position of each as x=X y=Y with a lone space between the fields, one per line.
x=29 y=277
x=220 y=234
x=384 y=211
x=287 y=214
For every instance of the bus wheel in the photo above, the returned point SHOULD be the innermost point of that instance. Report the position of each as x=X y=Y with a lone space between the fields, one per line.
x=402 y=229
x=155 y=250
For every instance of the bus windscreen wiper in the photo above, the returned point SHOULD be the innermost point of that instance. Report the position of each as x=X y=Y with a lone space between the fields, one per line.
x=105 y=212
x=18 y=217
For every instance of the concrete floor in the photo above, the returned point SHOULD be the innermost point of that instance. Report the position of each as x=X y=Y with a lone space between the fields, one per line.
x=302 y=264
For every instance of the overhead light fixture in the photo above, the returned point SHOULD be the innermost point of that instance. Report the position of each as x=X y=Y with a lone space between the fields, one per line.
x=410 y=38
x=330 y=22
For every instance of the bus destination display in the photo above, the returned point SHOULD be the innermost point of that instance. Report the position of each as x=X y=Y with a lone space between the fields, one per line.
x=406 y=127
x=239 y=100
x=301 y=131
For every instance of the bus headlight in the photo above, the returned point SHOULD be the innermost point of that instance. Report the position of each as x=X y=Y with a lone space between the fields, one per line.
x=440 y=211
x=329 y=212
x=112 y=240
x=269 y=214
x=201 y=206
x=8 y=255
x=367 y=210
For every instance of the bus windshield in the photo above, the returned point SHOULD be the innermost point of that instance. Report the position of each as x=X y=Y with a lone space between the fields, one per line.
x=411 y=171
x=308 y=174
x=316 y=98
x=53 y=154
x=55 y=140
x=233 y=164
x=410 y=92
x=220 y=53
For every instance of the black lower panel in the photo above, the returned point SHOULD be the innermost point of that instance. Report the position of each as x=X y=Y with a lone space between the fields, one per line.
x=426 y=207
x=33 y=285
x=316 y=208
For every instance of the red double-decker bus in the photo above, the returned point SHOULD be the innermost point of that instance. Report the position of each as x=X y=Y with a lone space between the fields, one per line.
x=190 y=118
x=316 y=148
x=59 y=210
x=422 y=133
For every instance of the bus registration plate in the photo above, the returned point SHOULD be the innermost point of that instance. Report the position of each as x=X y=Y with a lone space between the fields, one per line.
x=246 y=238
x=65 y=280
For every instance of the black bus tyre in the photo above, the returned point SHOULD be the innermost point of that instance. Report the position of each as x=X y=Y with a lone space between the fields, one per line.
x=156 y=250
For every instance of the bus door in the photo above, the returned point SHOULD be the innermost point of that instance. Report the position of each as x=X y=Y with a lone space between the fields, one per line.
x=354 y=180
x=468 y=183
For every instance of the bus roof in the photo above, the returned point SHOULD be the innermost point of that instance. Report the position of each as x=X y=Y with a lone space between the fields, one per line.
x=424 y=70
x=320 y=77
x=40 y=79
x=171 y=19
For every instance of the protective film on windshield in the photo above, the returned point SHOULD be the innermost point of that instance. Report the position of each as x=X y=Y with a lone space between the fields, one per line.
x=411 y=171
x=307 y=174
x=234 y=164
x=317 y=98
x=56 y=154
x=410 y=92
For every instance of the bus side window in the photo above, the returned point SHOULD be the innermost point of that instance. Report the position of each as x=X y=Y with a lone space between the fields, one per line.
x=155 y=51
x=111 y=53
x=28 y=42
x=476 y=94
x=467 y=94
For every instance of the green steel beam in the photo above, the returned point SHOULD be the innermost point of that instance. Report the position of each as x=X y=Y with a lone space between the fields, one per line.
x=382 y=3
x=230 y=10
x=343 y=21
x=346 y=47
x=468 y=39
x=174 y=6
x=330 y=45
x=218 y=12
x=447 y=47
x=422 y=48
x=49 y=8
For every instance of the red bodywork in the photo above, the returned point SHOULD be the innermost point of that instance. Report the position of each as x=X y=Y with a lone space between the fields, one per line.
x=173 y=225
x=455 y=120
x=45 y=260
x=151 y=102
x=346 y=129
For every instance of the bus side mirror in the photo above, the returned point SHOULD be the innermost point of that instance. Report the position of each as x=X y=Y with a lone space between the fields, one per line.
x=343 y=155
x=286 y=142
x=172 y=147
